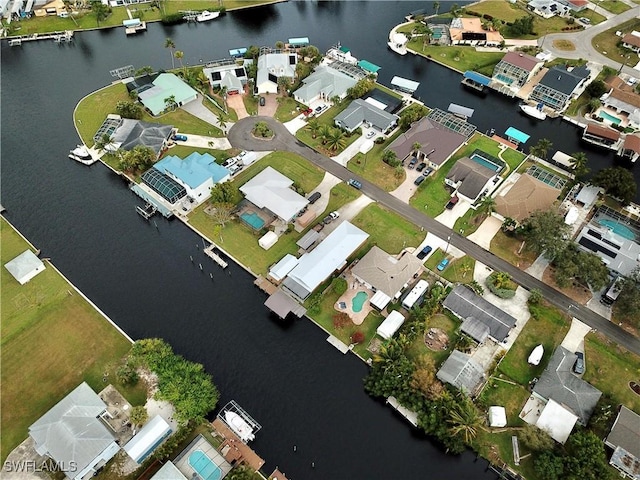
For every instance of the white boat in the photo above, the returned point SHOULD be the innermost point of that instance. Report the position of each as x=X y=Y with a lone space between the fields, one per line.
x=536 y=355
x=239 y=426
x=535 y=112
x=81 y=154
x=206 y=15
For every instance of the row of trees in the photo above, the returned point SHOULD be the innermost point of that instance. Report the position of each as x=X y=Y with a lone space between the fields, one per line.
x=331 y=137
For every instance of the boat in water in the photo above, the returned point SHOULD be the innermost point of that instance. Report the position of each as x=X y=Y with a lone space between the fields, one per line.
x=206 y=15
x=239 y=426
x=535 y=112
x=81 y=154
x=536 y=355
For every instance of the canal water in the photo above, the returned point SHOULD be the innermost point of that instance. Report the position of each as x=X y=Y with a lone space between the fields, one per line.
x=147 y=276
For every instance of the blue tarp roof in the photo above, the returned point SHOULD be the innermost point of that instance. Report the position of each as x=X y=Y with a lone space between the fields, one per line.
x=517 y=135
x=368 y=66
x=477 y=77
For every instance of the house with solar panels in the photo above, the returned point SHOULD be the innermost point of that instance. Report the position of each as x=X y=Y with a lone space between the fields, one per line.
x=273 y=64
x=227 y=74
x=559 y=86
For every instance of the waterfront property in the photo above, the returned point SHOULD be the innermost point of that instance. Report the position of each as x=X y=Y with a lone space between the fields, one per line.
x=126 y=134
x=559 y=86
x=199 y=460
x=163 y=185
x=515 y=69
x=71 y=433
x=227 y=73
x=630 y=148
x=601 y=136
x=624 y=439
x=471 y=178
x=365 y=111
x=470 y=31
x=390 y=325
x=623 y=102
x=25 y=266
x=325 y=83
x=273 y=64
x=148 y=438
x=461 y=371
x=166 y=86
x=528 y=195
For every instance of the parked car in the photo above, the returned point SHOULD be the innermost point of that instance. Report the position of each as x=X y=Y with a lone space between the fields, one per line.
x=178 y=137
x=586 y=21
x=307 y=111
x=241 y=155
x=354 y=183
x=412 y=162
x=419 y=180
x=578 y=367
x=235 y=169
x=421 y=166
x=443 y=264
x=301 y=212
x=230 y=162
x=428 y=172
x=371 y=134
x=424 y=252
x=330 y=218
x=452 y=203
x=263 y=101
x=313 y=198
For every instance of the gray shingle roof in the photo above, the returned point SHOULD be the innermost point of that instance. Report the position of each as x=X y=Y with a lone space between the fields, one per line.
x=625 y=432
x=136 y=132
x=325 y=80
x=465 y=304
x=461 y=371
x=560 y=384
x=385 y=272
x=473 y=176
x=360 y=111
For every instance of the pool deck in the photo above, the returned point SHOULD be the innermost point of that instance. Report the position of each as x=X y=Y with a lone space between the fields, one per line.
x=234 y=449
x=353 y=287
x=200 y=443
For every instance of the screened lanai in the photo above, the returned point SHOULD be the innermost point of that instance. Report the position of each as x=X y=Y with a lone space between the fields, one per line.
x=168 y=188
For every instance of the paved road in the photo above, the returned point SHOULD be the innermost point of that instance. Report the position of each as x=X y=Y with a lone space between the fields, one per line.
x=240 y=137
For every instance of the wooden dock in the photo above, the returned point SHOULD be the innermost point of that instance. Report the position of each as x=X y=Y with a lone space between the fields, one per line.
x=265 y=285
x=216 y=258
x=58 y=37
x=233 y=449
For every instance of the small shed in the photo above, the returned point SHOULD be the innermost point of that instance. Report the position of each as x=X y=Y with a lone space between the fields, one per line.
x=25 y=266
x=147 y=439
x=497 y=417
x=308 y=239
x=572 y=216
x=390 y=325
x=281 y=269
x=268 y=240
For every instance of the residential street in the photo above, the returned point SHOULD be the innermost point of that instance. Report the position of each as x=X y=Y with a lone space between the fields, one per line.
x=240 y=137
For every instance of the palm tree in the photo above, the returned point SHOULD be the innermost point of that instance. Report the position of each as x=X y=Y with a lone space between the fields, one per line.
x=324 y=131
x=222 y=121
x=103 y=142
x=170 y=102
x=541 y=148
x=487 y=205
x=283 y=83
x=580 y=161
x=465 y=420
x=168 y=43
x=416 y=147
x=594 y=104
x=336 y=140
x=179 y=55
x=314 y=127
x=436 y=7
x=501 y=280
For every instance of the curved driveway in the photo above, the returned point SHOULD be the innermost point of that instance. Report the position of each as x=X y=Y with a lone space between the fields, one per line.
x=240 y=137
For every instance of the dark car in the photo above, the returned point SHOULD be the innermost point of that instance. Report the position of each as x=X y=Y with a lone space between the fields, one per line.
x=354 y=183
x=178 y=137
x=424 y=252
x=421 y=166
x=313 y=198
x=452 y=203
x=578 y=367
x=412 y=162
x=419 y=180
x=262 y=101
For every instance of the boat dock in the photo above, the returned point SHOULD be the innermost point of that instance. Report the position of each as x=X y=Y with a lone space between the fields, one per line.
x=265 y=285
x=233 y=449
x=342 y=348
x=133 y=26
x=216 y=258
x=58 y=37
x=404 y=411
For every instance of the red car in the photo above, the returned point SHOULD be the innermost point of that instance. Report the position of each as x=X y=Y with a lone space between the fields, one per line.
x=452 y=203
x=307 y=111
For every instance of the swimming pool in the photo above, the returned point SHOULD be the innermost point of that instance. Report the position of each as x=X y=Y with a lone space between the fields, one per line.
x=204 y=466
x=618 y=228
x=253 y=219
x=485 y=163
x=358 y=301
x=610 y=118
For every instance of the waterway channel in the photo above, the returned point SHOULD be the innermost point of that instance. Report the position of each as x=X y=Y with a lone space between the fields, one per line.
x=299 y=388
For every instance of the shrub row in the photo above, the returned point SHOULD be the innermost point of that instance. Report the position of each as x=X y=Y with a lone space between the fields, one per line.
x=575 y=27
x=501 y=292
x=486 y=16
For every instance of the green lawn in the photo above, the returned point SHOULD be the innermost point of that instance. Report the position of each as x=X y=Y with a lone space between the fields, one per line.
x=52 y=340
x=511 y=397
x=327 y=118
x=501 y=9
x=288 y=109
x=250 y=104
x=469 y=222
x=418 y=348
x=371 y=166
x=457 y=57
x=396 y=234
x=498 y=447
x=610 y=369
x=548 y=329
x=458 y=271
x=592 y=15
x=613 y=6
x=507 y=248
x=607 y=42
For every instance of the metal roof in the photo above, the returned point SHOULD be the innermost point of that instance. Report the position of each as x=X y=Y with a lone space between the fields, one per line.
x=517 y=135
x=405 y=84
x=461 y=371
x=194 y=170
x=477 y=77
x=147 y=439
x=368 y=66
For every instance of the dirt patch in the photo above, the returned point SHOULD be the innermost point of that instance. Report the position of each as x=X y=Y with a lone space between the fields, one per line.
x=436 y=339
x=374 y=346
x=575 y=291
x=565 y=45
x=635 y=387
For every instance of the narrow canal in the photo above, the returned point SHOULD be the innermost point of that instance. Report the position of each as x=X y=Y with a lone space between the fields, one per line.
x=300 y=389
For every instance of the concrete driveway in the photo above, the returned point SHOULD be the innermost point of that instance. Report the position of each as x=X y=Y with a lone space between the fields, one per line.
x=296 y=124
x=324 y=188
x=574 y=339
x=407 y=188
x=200 y=141
x=197 y=109
x=236 y=102
x=485 y=232
x=449 y=217
x=270 y=106
x=348 y=212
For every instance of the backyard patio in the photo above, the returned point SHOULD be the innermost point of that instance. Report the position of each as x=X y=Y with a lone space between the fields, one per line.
x=355 y=301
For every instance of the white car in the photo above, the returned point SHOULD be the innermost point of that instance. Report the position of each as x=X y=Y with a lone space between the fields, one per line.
x=371 y=134
x=230 y=162
x=234 y=169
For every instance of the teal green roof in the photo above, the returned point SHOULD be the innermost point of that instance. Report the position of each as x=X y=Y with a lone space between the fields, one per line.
x=166 y=85
x=368 y=66
x=344 y=49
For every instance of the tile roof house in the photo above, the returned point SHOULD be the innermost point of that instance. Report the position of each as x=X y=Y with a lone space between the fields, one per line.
x=632 y=41
x=461 y=371
x=516 y=69
x=470 y=179
x=602 y=136
x=71 y=433
x=386 y=274
x=470 y=31
x=559 y=383
x=324 y=83
x=624 y=439
x=437 y=143
x=272 y=190
x=165 y=86
x=559 y=85
x=132 y=133
x=526 y=196
x=480 y=319
x=271 y=66
x=630 y=148
x=360 y=111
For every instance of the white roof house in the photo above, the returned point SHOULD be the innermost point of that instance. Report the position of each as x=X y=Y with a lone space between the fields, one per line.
x=271 y=66
x=231 y=76
x=324 y=83
x=147 y=439
x=281 y=269
x=330 y=255
x=25 y=266
x=271 y=190
x=557 y=421
x=71 y=434
x=391 y=324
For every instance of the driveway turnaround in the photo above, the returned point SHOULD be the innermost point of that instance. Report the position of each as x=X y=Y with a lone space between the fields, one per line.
x=200 y=141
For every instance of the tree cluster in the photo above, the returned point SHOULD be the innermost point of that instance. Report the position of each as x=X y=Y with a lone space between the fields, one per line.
x=501 y=285
x=129 y=110
x=576 y=264
x=617 y=182
x=226 y=192
x=522 y=26
x=361 y=88
x=138 y=159
x=411 y=114
x=627 y=306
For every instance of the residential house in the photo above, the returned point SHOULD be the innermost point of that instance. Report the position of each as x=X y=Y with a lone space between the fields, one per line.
x=516 y=68
x=385 y=274
x=559 y=85
x=601 y=136
x=131 y=133
x=197 y=173
x=272 y=190
x=470 y=31
x=72 y=435
x=624 y=439
x=324 y=83
x=480 y=319
x=360 y=111
x=25 y=266
x=163 y=185
x=569 y=399
x=623 y=98
x=461 y=371
x=437 y=143
x=166 y=87
x=632 y=41
x=147 y=439
x=272 y=66
x=549 y=8
x=227 y=74
x=330 y=255
x=630 y=148
x=470 y=179
x=526 y=196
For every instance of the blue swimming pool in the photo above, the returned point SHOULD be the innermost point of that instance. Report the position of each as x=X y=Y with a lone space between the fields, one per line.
x=358 y=301
x=618 y=228
x=253 y=219
x=610 y=118
x=485 y=163
x=204 y=466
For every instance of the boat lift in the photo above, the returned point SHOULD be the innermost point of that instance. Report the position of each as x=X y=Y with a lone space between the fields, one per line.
x=234 y=411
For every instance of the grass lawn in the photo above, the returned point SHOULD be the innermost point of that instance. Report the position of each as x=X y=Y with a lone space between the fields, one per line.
x=498 y=448
x=548 y=329
x=511 y=397
x=610 y=369
x=327 y=119
x=397 y=233
x=469 y=222
x=607 y=42
x=250 y=104
x=418 y=348
x=505 y=11
x=371 y=166
x=230 y=116
x=613 y=6
x=458 y=57
x=52 y=340
x=288 y=109
x=595 y=17
x=458 y=271
x=507 y=247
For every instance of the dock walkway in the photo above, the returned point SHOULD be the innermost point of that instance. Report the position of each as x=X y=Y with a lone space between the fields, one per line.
x=58 y=37
x=216 y=258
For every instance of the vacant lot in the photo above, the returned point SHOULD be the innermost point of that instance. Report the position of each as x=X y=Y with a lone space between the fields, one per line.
x=458 y=271
x=371 y=166
x=52 y=340
x=457 y=57
x=509 y=249
x=396 y=234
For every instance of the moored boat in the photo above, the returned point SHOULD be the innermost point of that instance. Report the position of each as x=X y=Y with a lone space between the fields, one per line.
x=535 y=112
x=81 y=154
x=206 y=15
x=239 y=426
